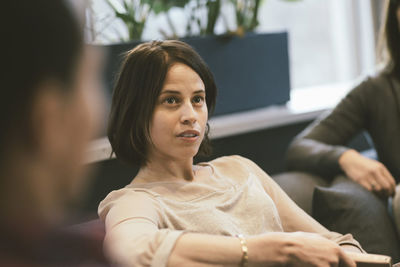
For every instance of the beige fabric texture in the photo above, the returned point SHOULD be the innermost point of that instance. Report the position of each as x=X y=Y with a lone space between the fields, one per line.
x=143 y=221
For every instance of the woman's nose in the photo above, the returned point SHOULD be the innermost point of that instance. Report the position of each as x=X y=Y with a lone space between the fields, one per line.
x=188 y=115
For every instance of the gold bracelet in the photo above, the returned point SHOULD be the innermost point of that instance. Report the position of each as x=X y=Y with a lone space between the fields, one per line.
x=245 y=256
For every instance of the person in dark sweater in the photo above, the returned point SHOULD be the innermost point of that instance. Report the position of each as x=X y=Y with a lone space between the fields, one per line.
x=374 y=107
x=49 y=111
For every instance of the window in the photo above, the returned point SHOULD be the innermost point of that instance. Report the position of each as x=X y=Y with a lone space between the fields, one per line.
x=330 y=41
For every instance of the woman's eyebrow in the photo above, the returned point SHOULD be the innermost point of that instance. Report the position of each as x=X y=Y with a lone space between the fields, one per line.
x=170 y=92
x=178 y=92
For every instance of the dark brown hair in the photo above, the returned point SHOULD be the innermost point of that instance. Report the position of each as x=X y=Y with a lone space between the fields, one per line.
x=137 y=89
x=390 y=39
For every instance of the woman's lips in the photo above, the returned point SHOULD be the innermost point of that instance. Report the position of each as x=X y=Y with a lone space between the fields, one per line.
x=189 y=135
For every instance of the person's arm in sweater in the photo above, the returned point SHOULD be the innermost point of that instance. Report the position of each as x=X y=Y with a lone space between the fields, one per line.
x=321 y=147
x=318 y=148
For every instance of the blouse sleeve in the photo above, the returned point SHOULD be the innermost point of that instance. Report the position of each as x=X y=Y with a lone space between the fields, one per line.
x=133 y=237
x=318 y=148
x=293 y=218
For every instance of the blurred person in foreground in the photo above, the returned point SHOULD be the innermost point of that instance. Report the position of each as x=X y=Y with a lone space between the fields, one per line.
x=49 y=111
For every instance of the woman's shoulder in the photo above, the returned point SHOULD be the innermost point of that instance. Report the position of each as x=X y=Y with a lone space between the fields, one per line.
x=375 y=84
x=366 y=92
x=234 y=165
x=230 y=161
x=126 y=195
x=240 y=169
x=373 y=93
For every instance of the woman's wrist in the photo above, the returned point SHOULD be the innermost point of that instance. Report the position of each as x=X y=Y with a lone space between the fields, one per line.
x=347 y=157
x=245 y=257
x=266 y=248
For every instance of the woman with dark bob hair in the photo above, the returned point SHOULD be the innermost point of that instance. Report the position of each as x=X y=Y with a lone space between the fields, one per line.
x=225 y=212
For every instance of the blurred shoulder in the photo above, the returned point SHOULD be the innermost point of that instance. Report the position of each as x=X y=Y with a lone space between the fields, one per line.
x=374 y=85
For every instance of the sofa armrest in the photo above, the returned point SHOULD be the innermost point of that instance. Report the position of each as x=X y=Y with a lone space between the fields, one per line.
x=300 y=187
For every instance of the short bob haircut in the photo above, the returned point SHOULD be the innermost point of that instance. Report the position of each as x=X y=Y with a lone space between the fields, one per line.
x=137 y=89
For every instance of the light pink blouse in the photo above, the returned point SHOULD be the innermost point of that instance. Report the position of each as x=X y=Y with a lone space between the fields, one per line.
x=143 y=221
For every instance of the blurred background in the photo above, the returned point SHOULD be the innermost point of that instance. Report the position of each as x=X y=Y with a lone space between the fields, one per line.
x=324 y=49
x=330 y=41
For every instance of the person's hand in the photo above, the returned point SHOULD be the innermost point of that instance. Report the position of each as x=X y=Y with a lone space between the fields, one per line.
x=296 y=249
x=369 y=173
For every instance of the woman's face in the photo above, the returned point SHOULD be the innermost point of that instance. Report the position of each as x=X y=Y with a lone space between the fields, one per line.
x=180 y=115
x=64 y=124
x=79 y=121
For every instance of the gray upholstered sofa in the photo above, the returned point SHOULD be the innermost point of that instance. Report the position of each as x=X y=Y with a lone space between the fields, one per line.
x=345 y=207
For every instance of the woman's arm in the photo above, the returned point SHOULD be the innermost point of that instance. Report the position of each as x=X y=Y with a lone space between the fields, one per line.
x=293 y=218
x=134 y=239
x=271 y=249
x=134 y=247
x=318 y=148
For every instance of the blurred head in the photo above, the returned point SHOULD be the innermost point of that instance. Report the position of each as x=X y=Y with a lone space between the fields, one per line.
x=49 y=106
x=145 y=73
x=390 y=38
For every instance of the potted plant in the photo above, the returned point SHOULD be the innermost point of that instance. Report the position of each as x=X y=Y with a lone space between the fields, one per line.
x=251 y=70
x=134 y=13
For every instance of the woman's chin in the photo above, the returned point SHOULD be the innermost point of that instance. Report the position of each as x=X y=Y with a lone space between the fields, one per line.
x=187 y=153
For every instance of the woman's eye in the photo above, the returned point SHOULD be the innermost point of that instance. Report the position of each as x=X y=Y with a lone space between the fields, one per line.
x=198 y=99
x=170 y=100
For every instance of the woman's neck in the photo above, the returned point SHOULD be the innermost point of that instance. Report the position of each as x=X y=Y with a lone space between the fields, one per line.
x=167 y=170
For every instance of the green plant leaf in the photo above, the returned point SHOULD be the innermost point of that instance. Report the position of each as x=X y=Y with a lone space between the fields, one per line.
x=126 y=6
x=126 y=18
x=160 y=6
x=214 y=8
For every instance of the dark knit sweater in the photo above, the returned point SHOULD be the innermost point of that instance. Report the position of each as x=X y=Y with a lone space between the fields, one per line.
x=373 y=106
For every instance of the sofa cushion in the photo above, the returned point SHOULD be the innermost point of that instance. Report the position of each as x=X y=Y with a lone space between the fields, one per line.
x=300 y=187
x=346 y=207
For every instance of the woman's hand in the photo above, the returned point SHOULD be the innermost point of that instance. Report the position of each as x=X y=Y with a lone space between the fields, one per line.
x=271 y=249
x=369 y=173
x=296 y=249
